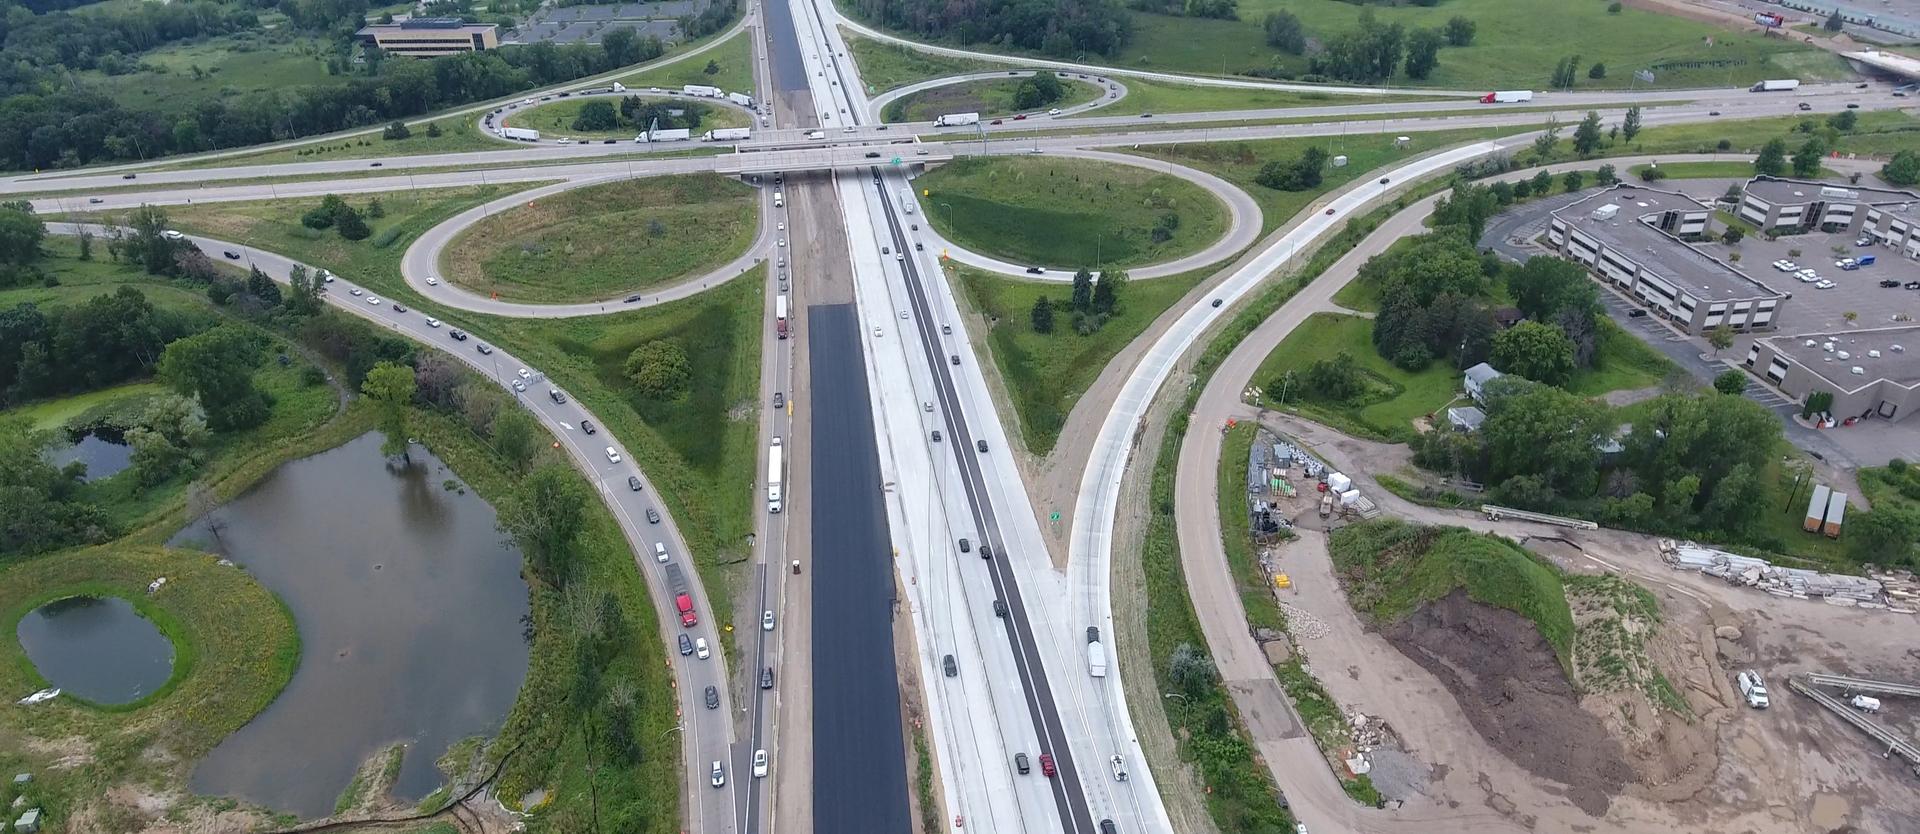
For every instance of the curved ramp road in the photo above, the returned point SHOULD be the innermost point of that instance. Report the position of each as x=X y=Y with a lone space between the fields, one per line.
x=1243 y=214
x=707 y=734
x=878 y=105
x=420 y=266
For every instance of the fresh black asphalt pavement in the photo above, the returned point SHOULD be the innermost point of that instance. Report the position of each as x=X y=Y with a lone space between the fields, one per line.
x=859 y=758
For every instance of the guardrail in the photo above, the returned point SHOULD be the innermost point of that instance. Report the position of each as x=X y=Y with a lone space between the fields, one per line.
x=1495 y=513
x=1894 y=742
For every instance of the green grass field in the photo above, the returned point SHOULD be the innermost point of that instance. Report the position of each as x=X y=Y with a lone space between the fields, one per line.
x=556 y=119
x=228 y=65
x=604 y=240
x=1145 y=96
x=1878 y=133
x=734 y=58
x=988 y=98
x=1065 y=212
x=1516 y=45
x=1045 y=373
x=886 y=66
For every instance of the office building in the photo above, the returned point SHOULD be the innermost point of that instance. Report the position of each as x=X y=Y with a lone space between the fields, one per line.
x=431 y=37
x=1870 y=373
x=1791 y=207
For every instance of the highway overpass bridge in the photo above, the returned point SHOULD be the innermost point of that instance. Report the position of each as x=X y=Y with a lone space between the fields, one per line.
x=900 y=155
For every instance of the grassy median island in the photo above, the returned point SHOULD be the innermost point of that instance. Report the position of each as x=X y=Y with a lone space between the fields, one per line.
x=601 y=241
x=556 y=118
x=235 y=647
x=731 y=63
x=1144 y=96
x=885 y=66
x=1065 y=212
x=991 y=97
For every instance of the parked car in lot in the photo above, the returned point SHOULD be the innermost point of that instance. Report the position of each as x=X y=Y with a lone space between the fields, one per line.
x=1889 y=283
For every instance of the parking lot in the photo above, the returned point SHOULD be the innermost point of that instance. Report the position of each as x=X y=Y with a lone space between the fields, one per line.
x=586 y=24
x=1824 y=305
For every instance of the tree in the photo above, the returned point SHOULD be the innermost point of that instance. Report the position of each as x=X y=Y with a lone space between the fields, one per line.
x=1817 y=402
x=544 y=516
x=1564 y=71
x=1772 y=160
x=350 y=226
x=1042 y=315
x=1460 y=31
x=433 y=128
x=1844 y=121
x=262 y=287
x=1806 y=160
x=1545 y=285
x=1834 y=21
x=1190 y=670
x=1082 y=299
x=713 y=68
x=1574 y=180
x=1337 y=379
x=1586 y=137
x=1720 y=337
x=20 y=235
x=1285 y=33
x=516 y=436
x=1597 y=71
x=1630 y=125
x=1542 y=183
x=395 y=130
x=1733 y=235
x=1884 y=536
x=168 y=439
x=597 y=115
x=1106 y=292
x=1605 y=175
x=1536 y=351
x=1217 y=9
x=1903 y=168
x=216 y=367
x=390 y=386
x=1543 y=432
x=1730 y=382
x=1543 y=144
x=1423 y=52
x=659 y=369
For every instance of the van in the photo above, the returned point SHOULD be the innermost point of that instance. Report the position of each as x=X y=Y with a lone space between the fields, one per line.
x=779 y=200
x=1752 y=688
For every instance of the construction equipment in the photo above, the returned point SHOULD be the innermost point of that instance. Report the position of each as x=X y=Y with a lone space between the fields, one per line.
x=1850 y=711
x=1496 y=513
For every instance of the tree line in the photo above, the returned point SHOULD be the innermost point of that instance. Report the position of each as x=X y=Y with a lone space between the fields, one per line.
x=1062 y=28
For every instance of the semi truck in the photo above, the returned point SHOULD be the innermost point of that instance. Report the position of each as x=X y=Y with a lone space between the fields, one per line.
x=701 y=91
x=682 y=600
x=1507 y=97
x=957 y=119
x=1777 y=85
x=680 y=134
x=780 y=315
x=521 y=134
x=741 y=99
x=726 y=134
x=774 y=471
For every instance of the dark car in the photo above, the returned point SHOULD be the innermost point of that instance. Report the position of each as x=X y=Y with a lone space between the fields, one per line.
x=1329 y=212
x=986 y=550
x=633 y=299
x=653 y=516
x=1020 y=763
x=1889 y=282
x=919 y=247
x=873 y=154
x=955 y=358
x=766 y=678
x=1385 y=180
x=588 y=427
x=1106 y=827
x=936 y=435
x=713 y=697
x=951 y=667
x=1635 y=314
x=399 y=308
x=981 y=445
x=1713 y=112
x=1020 y=118
x=994 y=122
x=1046 y=765
x=779 y=399
x=686 y=645
x=376 y=164
x=1216 y=302
x=999 y=608
x=633 y=483
x=128 y=176
x=1034 y=270
x=1853 y=105
x=606 y=141
x=966 y=546
x=1146 y=115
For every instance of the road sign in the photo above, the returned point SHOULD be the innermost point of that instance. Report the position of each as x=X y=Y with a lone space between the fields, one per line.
x=1053 y=516
x=896 y=160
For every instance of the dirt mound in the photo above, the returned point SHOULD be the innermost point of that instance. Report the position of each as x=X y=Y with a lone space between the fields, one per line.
x=1510 y=684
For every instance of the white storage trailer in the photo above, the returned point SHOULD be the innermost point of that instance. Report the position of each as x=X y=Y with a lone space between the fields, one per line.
x=521 y=134
x=774 y=471
x=1836 y=514
x=1777 y=85
x=741 y=99
x=1816 y=509
x=701 y=91
x=727 y=134
x=957 y=119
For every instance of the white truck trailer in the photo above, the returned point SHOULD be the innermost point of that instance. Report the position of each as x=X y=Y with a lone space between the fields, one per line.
x=701 y=91
x=1507 y=97
x=520 y=134
x=1777 y=85
x=957 y=119
x=741 y=99
x=726 y=134
x=774 y=471
x=676 y=135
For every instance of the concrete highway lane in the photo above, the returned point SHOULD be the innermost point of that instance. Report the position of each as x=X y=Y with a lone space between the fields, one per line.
x=860 y=779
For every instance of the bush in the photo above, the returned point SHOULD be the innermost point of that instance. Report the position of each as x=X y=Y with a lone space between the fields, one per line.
x=1652 y=174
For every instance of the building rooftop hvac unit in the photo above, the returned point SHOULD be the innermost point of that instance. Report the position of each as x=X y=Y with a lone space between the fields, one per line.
x=1841 y=193
x=1605 y=212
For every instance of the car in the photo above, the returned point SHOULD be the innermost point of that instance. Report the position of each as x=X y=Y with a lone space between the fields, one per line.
x=986 y=551
x=1046 y=765
x=1034 y=270
x=877 y=333
x=872 y=154
x=994 y=122
x=766 y=678
x=483 y=349
x=613 y=455
x=700 y=649
x=1106 y=827
x=903 y=314
x=1899 y=93
x=1636 y=313
x=128 y=176
x=633 y=482
x=355 y=291
x=920 y=152
x=713 y=697
x=1216 y=302
x=1853 y=105
x=433 y=322
x=1889 y=283
x=1911 y=285
x=1752 y=688
x=686 y=645
x=1713 y=112
x=1805 y=106
x=660 y=553
x=373 y=300
x=766 y=620
x=231 y=255
x=653 y=516
x=399 y=308
x=1385 y=180
x=1329 y=212
x=519 y=386
x=432 y=281
x=1020 y=118
x=1119 y=767
x=523 y=373
x=560 y=398
x=95 y=201
x=606 y=141
x=783 y=242
x=948 y=665
x=981 y=445
x=966 y=546
x=946 y=329
x=936 y=435
x=919 y=247
x=1146 y=115
x=916 y=226
x=376 y=165
x=1020 y=763
x=457 y=335
x=999 y=608
x=565 y=140
x=719 y=777
x=759 y=763
x=779 y=399
x=632 y=299
x=1824 y=284
x=902 y=257
x=954 y=358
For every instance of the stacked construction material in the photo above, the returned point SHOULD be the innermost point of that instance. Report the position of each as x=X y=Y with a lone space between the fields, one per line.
x=1839 y=589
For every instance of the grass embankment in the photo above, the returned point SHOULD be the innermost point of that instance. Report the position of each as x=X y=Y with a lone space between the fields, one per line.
x=179 y=76
x=1263 y=611
x=1239 y=162
x=1615 y=617
x=547 y=729
x=1876 y=133
x=698 y=468
x=1144 y=96
x=458 y=134
x=1073 y=213
x=235 y=647
x=733 y=70
x=885 y=66
x=1515 y=46
x=601 y=241
x=1046 y=373
x=987 y=97
x=1390 y=568
x=555 y=119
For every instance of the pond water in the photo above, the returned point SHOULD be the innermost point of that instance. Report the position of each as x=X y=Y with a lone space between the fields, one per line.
x=97 y=648
x=103 y=450
x=408 y=601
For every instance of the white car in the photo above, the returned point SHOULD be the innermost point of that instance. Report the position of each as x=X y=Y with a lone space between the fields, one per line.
x=700 y=649
x=373 y=300
x=783 y=242
x=759 y=764
x=660 y=552
x=613 y=455
x=524 y=373
x=433 y=322
x=1807 y=277
x=766 y=620
x=355 y=291
x=719 y=774
x=876 y=333
x=1054 y=112
x=1824 y=284
x=1790 y=266
x=1783 y=266
x=433 y=282
x=781 y=226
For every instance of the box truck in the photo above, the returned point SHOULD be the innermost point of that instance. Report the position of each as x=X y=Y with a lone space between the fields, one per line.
x=726 y=134
x=701 y=91
x=1777 y=85
x=780 y=315
x=1096 y=659
x=1507 y=97
x=957 y=119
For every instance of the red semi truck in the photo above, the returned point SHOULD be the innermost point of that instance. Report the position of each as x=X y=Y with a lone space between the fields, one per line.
x=681 y=599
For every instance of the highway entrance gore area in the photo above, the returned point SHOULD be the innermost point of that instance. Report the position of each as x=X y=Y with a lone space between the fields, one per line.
x=859 y=759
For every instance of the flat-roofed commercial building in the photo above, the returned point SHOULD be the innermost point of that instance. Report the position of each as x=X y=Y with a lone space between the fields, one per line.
x=1896 y=227
x=1790 y=207
x=1635 y=239
x=1870 y=373
x=431 y=36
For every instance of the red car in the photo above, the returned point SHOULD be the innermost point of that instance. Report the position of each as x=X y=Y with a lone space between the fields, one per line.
x=1046 y=764
x=1021 y=117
